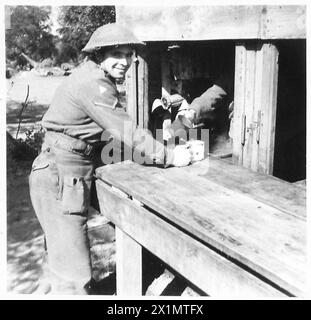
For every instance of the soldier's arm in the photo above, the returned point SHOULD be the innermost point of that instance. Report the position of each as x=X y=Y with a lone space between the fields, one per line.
x=206 y=104
x=102 y=106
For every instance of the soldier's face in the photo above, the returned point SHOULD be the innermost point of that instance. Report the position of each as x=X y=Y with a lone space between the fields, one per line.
x=116 y=61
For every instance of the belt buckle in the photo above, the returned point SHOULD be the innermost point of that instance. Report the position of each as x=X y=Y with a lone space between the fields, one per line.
x=88 y=150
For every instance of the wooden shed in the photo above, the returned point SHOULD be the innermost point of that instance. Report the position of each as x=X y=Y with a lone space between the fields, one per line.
x=262 y=48
x=237 y=226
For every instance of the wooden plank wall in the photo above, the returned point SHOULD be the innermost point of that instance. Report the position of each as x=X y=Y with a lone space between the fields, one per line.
x=284 y=22
x=163 y=23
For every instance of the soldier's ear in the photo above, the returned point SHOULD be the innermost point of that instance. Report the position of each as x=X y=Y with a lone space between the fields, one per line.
x=99 y=55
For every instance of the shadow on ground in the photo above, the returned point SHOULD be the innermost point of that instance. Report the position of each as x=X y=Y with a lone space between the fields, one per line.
x=24 y=235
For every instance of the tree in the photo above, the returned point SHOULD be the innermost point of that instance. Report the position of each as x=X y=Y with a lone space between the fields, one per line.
x=29 y=33
x=78 y=23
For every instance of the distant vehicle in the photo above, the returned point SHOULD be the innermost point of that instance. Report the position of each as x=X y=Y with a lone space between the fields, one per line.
x=45 y=67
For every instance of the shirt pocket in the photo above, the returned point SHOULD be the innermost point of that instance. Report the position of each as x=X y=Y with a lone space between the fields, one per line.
x=75 y=195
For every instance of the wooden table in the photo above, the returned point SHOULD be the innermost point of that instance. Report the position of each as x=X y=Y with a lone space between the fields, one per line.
x=230 y=231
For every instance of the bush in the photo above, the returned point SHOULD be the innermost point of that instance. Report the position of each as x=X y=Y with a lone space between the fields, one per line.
x=24 y=150
x=34 y=138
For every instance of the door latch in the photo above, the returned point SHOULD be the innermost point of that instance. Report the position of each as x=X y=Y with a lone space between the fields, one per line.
x=252 y=126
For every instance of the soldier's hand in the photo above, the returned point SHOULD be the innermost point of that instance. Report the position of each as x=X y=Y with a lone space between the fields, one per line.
x=186 y=115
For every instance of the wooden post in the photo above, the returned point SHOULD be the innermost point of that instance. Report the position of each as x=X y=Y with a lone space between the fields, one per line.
x=269 y=83
x=131 y=91
x=137 y=91
x=129 y=265
x=255 y=101
x=142 y=91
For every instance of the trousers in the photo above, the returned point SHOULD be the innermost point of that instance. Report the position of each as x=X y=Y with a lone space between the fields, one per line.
x=60 y=187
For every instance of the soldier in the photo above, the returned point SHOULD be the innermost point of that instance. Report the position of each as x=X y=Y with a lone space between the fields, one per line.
x=84 y=108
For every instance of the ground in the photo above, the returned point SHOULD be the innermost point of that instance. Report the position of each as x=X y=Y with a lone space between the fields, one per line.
x=24 y=235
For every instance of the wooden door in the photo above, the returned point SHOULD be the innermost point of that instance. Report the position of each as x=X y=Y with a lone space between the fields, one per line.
x=255 y=100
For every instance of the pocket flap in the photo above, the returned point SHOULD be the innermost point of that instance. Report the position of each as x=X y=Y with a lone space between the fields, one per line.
x=40 y=163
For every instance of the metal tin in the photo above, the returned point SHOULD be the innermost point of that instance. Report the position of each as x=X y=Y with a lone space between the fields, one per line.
x=174 y=100
x=197 y=149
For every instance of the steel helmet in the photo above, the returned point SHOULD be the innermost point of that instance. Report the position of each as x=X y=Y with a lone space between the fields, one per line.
x=111 y=34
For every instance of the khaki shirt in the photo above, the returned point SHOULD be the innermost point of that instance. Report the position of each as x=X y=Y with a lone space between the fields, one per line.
x=86 y=105
x=212 y=106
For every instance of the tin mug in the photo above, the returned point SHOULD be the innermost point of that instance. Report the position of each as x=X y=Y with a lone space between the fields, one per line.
x=197 y=149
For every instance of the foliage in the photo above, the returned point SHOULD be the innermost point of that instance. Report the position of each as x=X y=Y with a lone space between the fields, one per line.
x=34 y=137
x=29 y=33
x=77 y=24
x=19 y=150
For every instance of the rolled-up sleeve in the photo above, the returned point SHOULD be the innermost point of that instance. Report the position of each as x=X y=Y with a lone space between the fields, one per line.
x=206 y=104
x=101 y=104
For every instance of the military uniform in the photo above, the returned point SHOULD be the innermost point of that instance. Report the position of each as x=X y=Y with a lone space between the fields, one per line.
x=214 y=106
x=84 y=106
x=214 y=101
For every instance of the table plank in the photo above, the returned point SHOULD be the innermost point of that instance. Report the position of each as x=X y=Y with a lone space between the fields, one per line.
x=261 y=237
x=273 y=191
x=212 y=273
